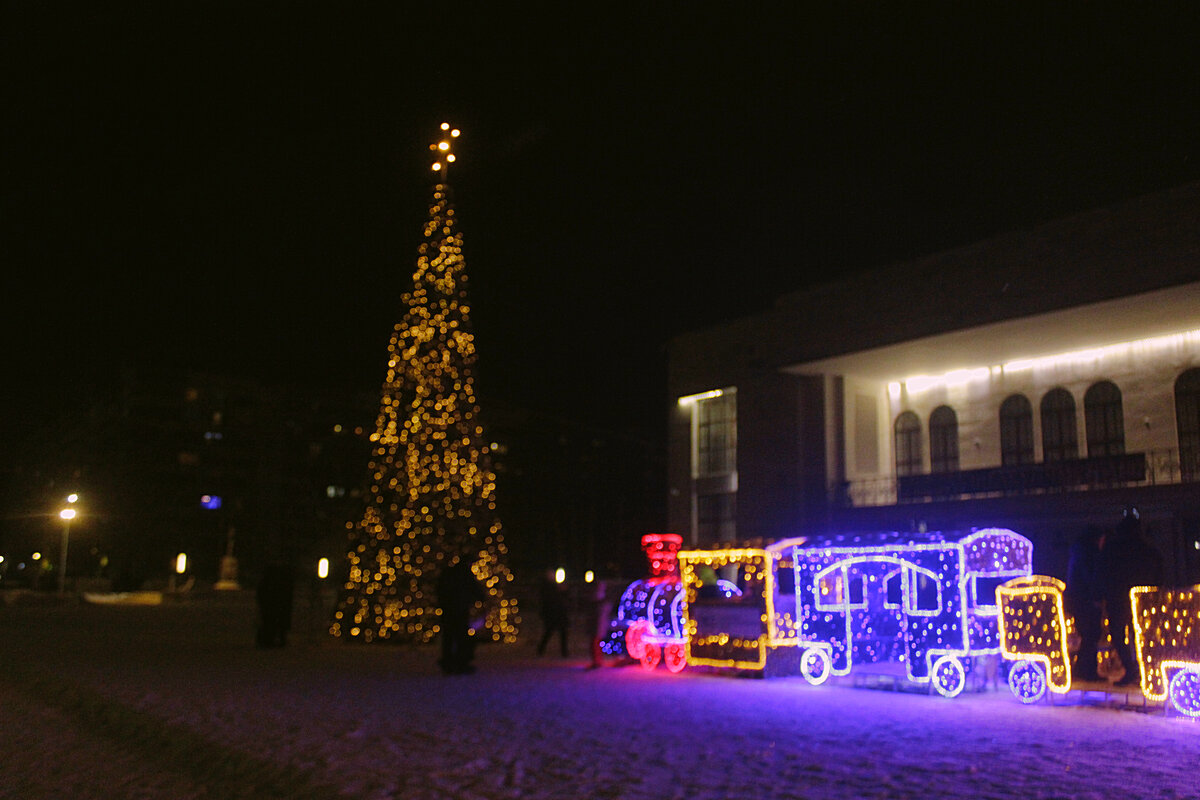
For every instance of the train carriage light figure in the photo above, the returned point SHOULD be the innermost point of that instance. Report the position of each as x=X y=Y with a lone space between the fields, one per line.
x=727 y=623
x=926 y=600
x=1033 y=633
x=1166 y=626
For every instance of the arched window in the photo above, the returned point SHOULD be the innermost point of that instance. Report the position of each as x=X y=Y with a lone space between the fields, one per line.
x=1016 y=431
x=1059 y=440
x=908 y=444
x=1187 y=422
x=943 y=440
x=1105 y=420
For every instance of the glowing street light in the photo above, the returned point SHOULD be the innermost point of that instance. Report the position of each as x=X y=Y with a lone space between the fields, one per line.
x=67 y=514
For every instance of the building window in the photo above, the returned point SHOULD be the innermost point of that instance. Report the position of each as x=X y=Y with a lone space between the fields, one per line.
x=1059 y=441
x=943 y=440
x=1187 y=422
x=908 y=444
x=1016 y=431
x=1105 y=420
x=716 y=518
x=716 y=435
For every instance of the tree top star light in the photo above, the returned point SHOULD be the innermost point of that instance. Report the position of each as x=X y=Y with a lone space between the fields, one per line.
x=432 y=494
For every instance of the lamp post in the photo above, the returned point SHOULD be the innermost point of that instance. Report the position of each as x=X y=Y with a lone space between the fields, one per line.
x=67 y=514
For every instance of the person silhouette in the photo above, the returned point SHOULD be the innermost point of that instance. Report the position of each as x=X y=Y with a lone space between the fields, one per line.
x=555 y=614
x=457 y=592
x=1129 y=561
x=1084 y=598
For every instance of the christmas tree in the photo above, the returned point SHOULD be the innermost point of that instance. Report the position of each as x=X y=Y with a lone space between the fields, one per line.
x=432 y=496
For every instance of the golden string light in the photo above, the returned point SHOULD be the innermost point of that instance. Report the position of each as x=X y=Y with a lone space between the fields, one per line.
x=432 y=493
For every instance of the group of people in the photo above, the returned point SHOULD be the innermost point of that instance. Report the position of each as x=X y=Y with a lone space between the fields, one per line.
x=555 y=609
x=458 y=593
x=1103 y=567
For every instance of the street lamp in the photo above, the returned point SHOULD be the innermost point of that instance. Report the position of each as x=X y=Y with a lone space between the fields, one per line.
x=67 y=514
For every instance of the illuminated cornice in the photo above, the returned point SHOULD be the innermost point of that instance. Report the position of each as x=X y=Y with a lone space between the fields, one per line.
x=691 y=399
x=915 y=384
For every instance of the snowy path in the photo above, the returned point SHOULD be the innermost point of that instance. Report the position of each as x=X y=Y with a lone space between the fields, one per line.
x=175 y=702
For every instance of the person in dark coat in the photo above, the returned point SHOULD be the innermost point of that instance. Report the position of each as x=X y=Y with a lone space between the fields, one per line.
x=274 y=594
x=555 y=614
x=1084 y=599
x=457 y=592
x=1129 y=561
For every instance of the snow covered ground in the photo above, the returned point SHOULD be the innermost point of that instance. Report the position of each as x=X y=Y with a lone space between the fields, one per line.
x=174 y=701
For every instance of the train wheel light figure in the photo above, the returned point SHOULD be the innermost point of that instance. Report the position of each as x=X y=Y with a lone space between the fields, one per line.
x=949 y=676
x=675 y=656
x=1027 y=680
x=816 y=665
x=1184 y=691
x=634 y=645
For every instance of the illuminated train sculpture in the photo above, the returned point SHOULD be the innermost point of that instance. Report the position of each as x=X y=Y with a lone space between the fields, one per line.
x=923 y=602
x=921 y=607
x=1167 y=636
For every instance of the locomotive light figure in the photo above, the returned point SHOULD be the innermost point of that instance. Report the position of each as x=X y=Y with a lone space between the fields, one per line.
x=648 y=622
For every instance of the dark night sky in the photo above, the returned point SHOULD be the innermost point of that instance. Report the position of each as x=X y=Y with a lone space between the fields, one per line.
x=244 y=190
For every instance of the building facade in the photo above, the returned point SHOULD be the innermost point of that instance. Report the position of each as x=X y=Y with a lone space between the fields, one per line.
x=1043 y=381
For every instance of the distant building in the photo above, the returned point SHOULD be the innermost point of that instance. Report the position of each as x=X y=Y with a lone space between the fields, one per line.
x=173 y=460
x=176 y=460
x=1043 y=381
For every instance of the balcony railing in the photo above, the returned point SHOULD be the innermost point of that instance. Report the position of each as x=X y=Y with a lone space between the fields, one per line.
x=1152 y=468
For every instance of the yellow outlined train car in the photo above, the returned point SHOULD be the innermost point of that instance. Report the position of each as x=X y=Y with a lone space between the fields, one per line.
x=1033 y=634
x=1166 y=625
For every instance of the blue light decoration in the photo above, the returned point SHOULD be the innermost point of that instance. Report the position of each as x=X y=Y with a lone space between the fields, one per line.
x=924 y=600
x=648 y=625
x=211 y=502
